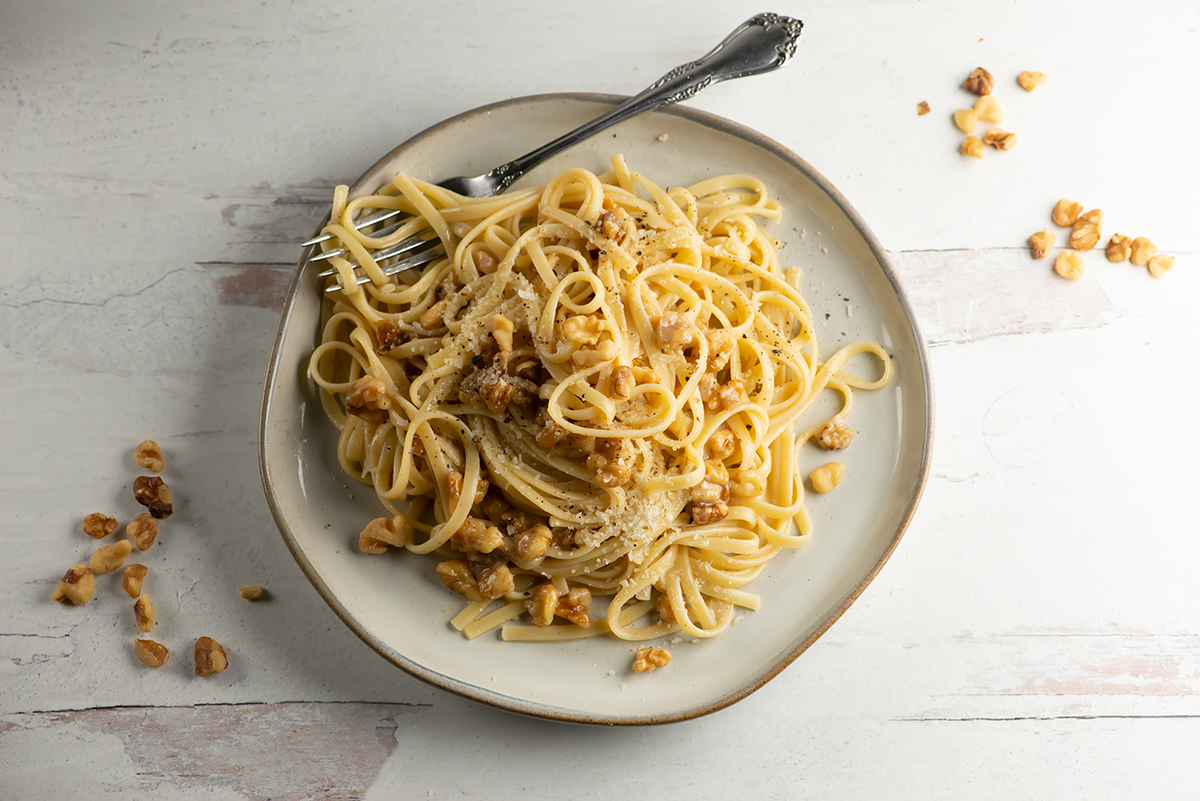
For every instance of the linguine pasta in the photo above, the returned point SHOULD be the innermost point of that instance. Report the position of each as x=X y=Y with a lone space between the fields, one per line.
x=596 y=392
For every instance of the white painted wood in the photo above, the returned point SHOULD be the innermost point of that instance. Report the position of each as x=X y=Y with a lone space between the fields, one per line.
x=1034 y=635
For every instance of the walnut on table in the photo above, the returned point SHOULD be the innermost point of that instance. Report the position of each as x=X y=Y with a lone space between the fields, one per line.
x=210 y=657
x=143 y=613
x=1041 y=242
x=1141 y=251
x=252 y=592
x=143 y=530
x=76 y=586
x=153 y=493
x=1087 y=230
x=988 y=109
x=979 y=82
x=1069 y=265
x=99 y=525
x=1066 y=212
x=971 y=146
x=1000 y=139
x=110 y=557
x=1118 y=248
x=1031 y=80
x=966 y=120
x=149 y=455
x=1158 y=265
x=151 y=653
x=922 y=108
x=131 y=580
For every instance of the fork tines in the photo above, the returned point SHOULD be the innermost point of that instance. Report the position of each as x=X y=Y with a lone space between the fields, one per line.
x=425 y=252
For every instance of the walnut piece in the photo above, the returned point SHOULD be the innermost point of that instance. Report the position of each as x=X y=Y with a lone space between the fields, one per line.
x=827 y=476
x=252 y=592
x=533 y=542
x=149 y=455
x=609 y=226
x=143 y=613
x=582 y=330
x=456 y=575
x=390 y=336
x=132 y=578
x=143 y=530
x=151 y=492
x=720 y=445
x=922 y=108
x=971 y=146
x=1158 y=265
x=611 y=464
x=541 y=604
x=210 y=657
x=108 y=558
x=979 y=82
x=834 y=435
x=622 y=381
x=1087 y=231
x=99 y=525
x=496 y=582
x=709 y=512
x=966 y=119
x=1000 y=139
x=747 y=483
x=368 y=399
x=502 y=332
x=381 y=533
x=1066 y=212
x=485 y=262
x=151 y=653
x=650 y=659
x=1069 y=265
x=988 y=109
x=476 y=536
x=1041 y=242
x=1031 y=80
x=575 y=605
x=76 y=586
x=1119 y=248
x=1141 y=251
x=673 y=331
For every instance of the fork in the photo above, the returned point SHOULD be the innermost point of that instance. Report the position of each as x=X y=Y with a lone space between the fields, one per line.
x=763 y=43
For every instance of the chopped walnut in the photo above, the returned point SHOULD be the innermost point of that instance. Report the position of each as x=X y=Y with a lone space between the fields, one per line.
x=1086 y=233
x=454 y=480
x=582 y=330
x=476 y=536
x=988 y=109
x=589 y=356
x=922 y=108
x=979 y=82
x=433 y=317
x=485 y=262
x=502 y=331
x=747 y=483
x=575 y=605
x=966 y=119
x=827 y=476
x=622 y=381
x=533 y=542
x=609 y=226
x=1000 y=139
x=143 y=530
x=720 y=444
x=456 y=575
x=1158 y=265
x=368 y=399
x=390 y=336
x=149 y=455
x=252 y=592
x=99 y=525
x=709 y=512
x=673 y=331
x=542 y=603
x=1066 y=212
x=496 y=582
x=108 y=558
x=381 y=533
x=1118 y=248
x=727 y=396
x=76 y=586
x=1031 y=80
x=649 y=659
x=551 y=434
x=1141 y=250
x=971 y=146
x=132 y=579
x=834 y=435
x=1069 y=265
x=151 y=653
x=1041 y=242
x=706 y=492
x=210 y=657
x=143 y=613
x=151 y=492
x=610 y=465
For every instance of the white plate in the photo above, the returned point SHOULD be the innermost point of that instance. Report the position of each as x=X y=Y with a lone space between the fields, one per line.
x=396 y=603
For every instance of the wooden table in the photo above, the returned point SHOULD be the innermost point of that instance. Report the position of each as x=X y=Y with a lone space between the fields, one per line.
x=1035 y=635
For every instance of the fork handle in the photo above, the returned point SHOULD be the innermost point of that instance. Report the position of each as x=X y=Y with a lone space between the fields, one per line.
x=761 y=44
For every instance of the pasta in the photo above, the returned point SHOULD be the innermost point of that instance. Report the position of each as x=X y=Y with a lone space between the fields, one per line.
x=595 y=391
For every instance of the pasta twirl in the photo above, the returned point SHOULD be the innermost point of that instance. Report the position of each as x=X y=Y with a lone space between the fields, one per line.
x=596 y=392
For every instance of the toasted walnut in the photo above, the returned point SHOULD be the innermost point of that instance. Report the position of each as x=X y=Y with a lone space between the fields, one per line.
x=551 y=434
x=589 y=356
x=149 y=455
x=649 y=659
x=979 y=82
x=210 y=657
x=610 y=465
x=1141 y=250
x=707 y=492
x=368 y=399
x=709 y=512
x=151 y=492
x=1031 y=80
x=966 y=119
x=1066 y=212
x=988 y=109
x=582 y=330
x=575 y=606
x=252 y=592
x=1119 y=247
x=381 y=533
x=720 y=444
x=1158 y=265
x=747 y=483
x=622 y=381
x=143 y=530
x=609 y=226
x=827 y=476
x=727 y=395
x=541 y=604
x=151 y=653
x=143 y=613
x=108 y=558
x=456 y=575
x=834 y=435
x=454 y=480
x=1041 y=242
x=76 y=586
x=476 y=536
x=1086 y=233
x=922 y=108
x=502 y=331
x=1069 y=265
x=433 y=317
x=496 y=582
x=132 y=579
x=533 y=542
x=494 y=388
x=720 y=348
x=99 y=525
x=971 y=146
x=485 y=262
x=1000 y=139
x=673 y=331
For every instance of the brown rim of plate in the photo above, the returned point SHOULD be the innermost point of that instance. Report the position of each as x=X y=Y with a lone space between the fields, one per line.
x=532 y=709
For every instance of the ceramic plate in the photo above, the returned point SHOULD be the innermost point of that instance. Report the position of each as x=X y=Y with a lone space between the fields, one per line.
x=396 y=603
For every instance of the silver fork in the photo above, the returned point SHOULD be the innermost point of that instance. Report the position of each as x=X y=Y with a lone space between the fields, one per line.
x=761 y=44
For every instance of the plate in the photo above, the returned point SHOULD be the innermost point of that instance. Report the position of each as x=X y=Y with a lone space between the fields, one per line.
x=396 y=603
